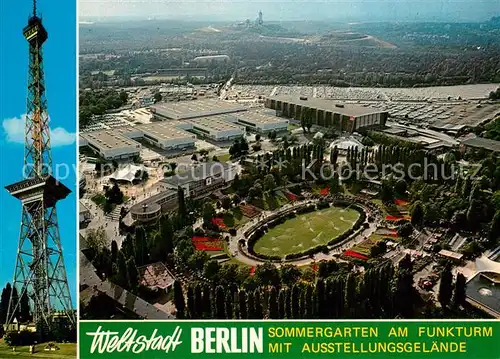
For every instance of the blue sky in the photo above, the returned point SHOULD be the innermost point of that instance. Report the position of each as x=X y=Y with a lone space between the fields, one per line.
x=59 y=18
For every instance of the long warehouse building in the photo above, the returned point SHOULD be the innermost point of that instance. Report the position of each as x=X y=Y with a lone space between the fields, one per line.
x=185 y=110
x=326 y=113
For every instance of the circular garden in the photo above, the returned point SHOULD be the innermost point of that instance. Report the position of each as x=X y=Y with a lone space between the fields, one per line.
x=305 y=231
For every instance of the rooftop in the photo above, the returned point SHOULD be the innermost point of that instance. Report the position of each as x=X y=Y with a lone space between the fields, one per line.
x=484 y=293
x=108 y=139
x=164 y=131
x=156 y=275
x=328 y=105
x=197 y=173
x=215 y=123
x=193 y=109
x=151 y=202
x=260 y=118
x=479 y=142
x=131 y=302
x=450 y=254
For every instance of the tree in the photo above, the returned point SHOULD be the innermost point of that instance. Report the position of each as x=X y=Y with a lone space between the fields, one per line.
x=281 y=304
x=445 y=287
x=387 y=192
x=157 y=97
x=96 y=240
x=226 y=203
x=229 y=305
x=191 y=303
x=4 y=302
x=123 y=97
x=167 y=235
x=114 y=251
x=208 y=212
x=460 y=290
x=251 y=306
x=242 y=301
x=269 y=183
x=121 y=275
x=220 y=305
x=194 y=157
x=181 y=203
x=267 y=274
x=211 y=270
x=273 y=304
x=334 y=185
x=296 y=302
x=114 y=195
x=494 y=231
x=132 y=273
x=259 y=314
x=400 y=187
x=272 y=135
x=198 y=301
x=207 y=303
x=257 y=137
x=321 y=304
x=405 y=230
x=180 y=305
x=289 y=274
x=417 y=214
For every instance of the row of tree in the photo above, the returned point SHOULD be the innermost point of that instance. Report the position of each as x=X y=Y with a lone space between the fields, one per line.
x=381 y=292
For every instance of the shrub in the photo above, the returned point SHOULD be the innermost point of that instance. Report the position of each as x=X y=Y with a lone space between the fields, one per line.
x=24 y=337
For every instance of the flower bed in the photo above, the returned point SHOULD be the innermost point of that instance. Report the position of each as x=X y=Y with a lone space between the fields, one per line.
x=325 y=191
x=397 y=218
x=291 y=196
x=351 y=253
x=400 y=202
x=249 y=211
x=207 y=244
x=219 y=222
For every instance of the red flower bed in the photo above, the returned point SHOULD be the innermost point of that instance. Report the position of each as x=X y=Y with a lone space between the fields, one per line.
x=325 y=191
x=351 y=253
x=201 y=239
x=252 y=271
x=219 y=222
x=249 y=211
x=400 y=202
x=291 y=196
x=396 y=218
x=315 y=267
x=207 y=246
x=392 y=234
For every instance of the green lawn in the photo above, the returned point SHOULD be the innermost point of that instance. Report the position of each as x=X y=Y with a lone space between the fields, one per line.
x=66 y=350
x=99 y=199
x=306 y=231
x=224 y=158
x=234 y=218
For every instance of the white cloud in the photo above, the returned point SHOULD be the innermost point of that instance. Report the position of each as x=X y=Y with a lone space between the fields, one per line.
x=14 y=132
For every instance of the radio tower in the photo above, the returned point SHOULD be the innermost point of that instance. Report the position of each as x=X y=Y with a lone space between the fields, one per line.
x=40 y=275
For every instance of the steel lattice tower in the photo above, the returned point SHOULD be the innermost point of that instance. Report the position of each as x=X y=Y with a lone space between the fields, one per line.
x=39 y=273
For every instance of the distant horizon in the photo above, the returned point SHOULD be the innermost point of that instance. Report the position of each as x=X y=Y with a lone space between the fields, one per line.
x=297 y=10
x=138 y=18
